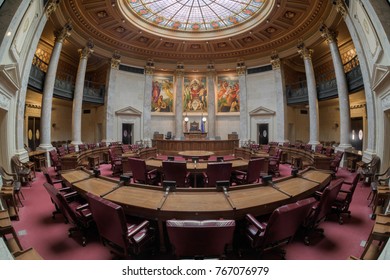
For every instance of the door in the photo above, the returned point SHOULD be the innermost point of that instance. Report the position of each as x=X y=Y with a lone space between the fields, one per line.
x=357 y=133
x=127 y=133
x=262 y=130
x=34 y=132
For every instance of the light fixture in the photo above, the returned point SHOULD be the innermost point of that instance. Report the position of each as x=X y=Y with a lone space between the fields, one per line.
x=186 y=119
x=204 y=119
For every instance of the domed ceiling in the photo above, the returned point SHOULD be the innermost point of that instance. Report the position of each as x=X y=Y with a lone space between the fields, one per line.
x=192 y=31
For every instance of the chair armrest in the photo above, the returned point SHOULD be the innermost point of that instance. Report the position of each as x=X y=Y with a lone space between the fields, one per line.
x=57 y=181
x=317 y=195
x=82 y=207
x=65 y=189
x=70 y=194
x=136 y=230
x=254 y=222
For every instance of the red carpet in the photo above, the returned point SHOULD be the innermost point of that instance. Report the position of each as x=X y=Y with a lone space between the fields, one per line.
x=50 y=238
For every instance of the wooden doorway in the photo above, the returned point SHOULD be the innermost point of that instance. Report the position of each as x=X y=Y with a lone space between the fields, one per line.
x=263 y=133
x=34 y=132
x=127 y=133
x=357 y=133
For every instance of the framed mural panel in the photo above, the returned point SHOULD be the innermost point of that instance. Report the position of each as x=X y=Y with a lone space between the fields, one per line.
x=162 y=94
x=228 y=95
x=195 y=94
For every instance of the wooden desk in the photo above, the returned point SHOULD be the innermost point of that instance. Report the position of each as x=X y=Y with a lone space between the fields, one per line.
x=319 y=161
x=200 y=154
x=152 y=203
x=173 y=147
x=195 y=135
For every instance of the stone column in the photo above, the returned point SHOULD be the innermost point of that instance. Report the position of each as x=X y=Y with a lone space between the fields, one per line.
x=281 y=101
x=211 y=101
x=179 y=101
x=47 y=97
x=147 y=113
x=78 y=93
x=342 y=87
x=312 y=93
x=109 y=97
x=244 y=123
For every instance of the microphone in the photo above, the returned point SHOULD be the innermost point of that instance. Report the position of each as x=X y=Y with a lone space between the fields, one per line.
x=223 y=186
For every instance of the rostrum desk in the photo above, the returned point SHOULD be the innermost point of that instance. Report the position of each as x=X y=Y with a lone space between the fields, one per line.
x=152 y=203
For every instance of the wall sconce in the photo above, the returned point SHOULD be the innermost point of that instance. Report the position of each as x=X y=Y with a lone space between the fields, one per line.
x=204 y=119
x=185 y=124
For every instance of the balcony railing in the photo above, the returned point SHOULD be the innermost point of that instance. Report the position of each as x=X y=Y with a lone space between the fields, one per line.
x=326 y=84
x=64 y=84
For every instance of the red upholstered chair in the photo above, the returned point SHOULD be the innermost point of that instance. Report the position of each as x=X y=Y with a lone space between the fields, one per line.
x=140 y=172
x=52 y=191
x=252 y=175
x=83 y=147
x=200 y=239
x=344 y=197
x=61 y=151
x=329 y=151
x=76 y=212
x=71 y=149
x=116 y=163
x=51 y=180
x=55 y=161
x=308 y=147
x=335 y=163
x=281 y=226
x=318 y=148
x=122 y=235
x=176 y=171
x=273 y=163
x=321 y=208
x=217 y=171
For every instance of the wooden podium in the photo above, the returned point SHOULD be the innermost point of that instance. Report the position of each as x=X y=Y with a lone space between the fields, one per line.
x=195 y=135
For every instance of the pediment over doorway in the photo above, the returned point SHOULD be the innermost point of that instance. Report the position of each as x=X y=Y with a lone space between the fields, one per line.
x=380 y=76
x=129 y=111
x=261 y=111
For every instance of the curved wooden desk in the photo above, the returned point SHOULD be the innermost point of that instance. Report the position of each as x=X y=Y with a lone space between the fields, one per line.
x=199 y=154
x=152 y=203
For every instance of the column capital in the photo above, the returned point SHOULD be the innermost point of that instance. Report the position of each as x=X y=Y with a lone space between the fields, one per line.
x=65 y=32
x=87 y=50
x=51 y=7
x=340 y=7
x=303 y=51
x=241 y=68
x=329 y=34
x=211 y=70
x=179 y=69
x=149 y=67
x=115 y=60
x=275 y=61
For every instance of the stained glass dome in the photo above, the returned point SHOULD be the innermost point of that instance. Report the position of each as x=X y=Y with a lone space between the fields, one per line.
x=196 y=15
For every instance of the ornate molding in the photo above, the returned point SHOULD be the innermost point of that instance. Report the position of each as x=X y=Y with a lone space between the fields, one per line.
x=65 y=32
x=179 y=69
x=329 y=34
x=304 y=52
x=87 y=50
x=275 y=61
x=211 y=69
x=340 y=7
x=115 y=60
x=149 y=68
x=51 y=7
x=241 y=68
